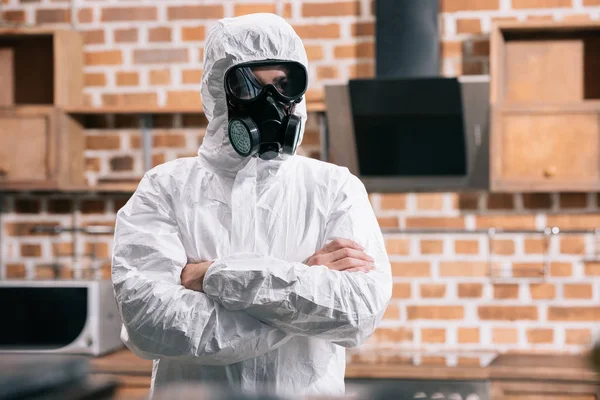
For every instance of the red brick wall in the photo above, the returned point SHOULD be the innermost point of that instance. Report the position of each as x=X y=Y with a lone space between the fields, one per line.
x=445 y=308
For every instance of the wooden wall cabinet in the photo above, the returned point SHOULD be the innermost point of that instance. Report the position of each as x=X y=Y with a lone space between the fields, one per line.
x=545 y=99
x=41 y=67
x=40 y=148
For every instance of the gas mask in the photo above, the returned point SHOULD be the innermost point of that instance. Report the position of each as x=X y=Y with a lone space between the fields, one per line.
x=261 y=98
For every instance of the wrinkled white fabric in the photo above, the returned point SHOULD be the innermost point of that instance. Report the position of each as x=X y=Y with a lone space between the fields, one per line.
x=266 y=321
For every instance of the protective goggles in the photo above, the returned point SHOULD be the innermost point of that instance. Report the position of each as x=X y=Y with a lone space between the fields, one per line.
x=285 y=80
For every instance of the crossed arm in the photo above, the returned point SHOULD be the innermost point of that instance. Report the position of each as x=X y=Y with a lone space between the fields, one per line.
x=251 y=304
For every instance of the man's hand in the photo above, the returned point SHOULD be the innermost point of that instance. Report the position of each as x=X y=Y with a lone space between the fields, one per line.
x=192 y=275
x=342 y=255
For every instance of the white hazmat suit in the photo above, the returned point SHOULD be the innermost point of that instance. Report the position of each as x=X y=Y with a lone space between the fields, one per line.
x=266 y=320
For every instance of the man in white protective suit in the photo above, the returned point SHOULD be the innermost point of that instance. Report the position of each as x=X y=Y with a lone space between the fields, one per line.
x=248 y=265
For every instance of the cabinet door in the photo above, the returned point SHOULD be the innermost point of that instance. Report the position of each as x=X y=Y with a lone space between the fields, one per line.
x=544 y=391
x=545 y=151
x=26 y=147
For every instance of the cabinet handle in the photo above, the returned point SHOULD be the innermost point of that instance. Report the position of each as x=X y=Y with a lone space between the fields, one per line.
x=550 y=171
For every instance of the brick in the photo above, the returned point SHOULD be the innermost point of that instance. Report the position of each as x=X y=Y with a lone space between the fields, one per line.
x=361 y=70
x=502 y=246
x=160 y=56
x=360 y=50
x=481 y=48
x=393 y=201
x=287 y=11
x=578 y=336
x=320 y=31
x=95 y=36
x=433 y=360
x=592 y=268
x=472 y=68
x=468 y=362
x=517 y=4
x=121 y=163
x=193 y=33
x=561 y=269
x=327 y=72
x=468 y=5
x=401 y=291
x=129 y=35
x=160 y=77
x=463 y=268
x=435 y=222
x=161 y=140
x=430 y=201
x=315 y=94
x=97 y=249
x=470 y=290
x=243 y=9
x=571 y=313
x=31 y=250
x=392 y=312
x=106 y=272
x=184 y=98
x=333 y=9
x=506 y=291
x=103 y=142
x=15 y=16
x=411 y=268
x=505 y=335
x=397 y=246
x=591 y=2
x=362 y=29
x=311 y=137
x=441 y=312
x=433 y=335
x=113 y=14
x=392 y=335
x=94 y=79
x=535 y=245
x=130 y=100
x=500 y=201
x=572 y=245
x=85 y=15
x=158 y=159
x=527 y=269
x=160 y=34
x=388 y=222
x=572 y=200
x=103 y=223
x=52 y=16
x=574 y=221
x=540 y=335
x=432 y=246
x=196 y=12
x=542 y=291
x=191 y=76
x=27 y=206
x=109 y=57
x=468 y=335
x=432 y=290
x=15 y=271
x=466 y=246
x=468 y=26
x=577 y=291
x=535 y=201
x=92 y=206
x=26 y=228
x=449 y=49
x=128 y=79
x=507 y=313
x=505 y=221
x=465 y=201
x=60 y=206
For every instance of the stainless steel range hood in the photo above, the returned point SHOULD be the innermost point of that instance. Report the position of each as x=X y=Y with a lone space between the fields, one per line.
x=410 y=129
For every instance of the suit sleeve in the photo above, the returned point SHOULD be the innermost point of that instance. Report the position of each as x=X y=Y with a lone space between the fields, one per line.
x=343 y=307
x=160 y=317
